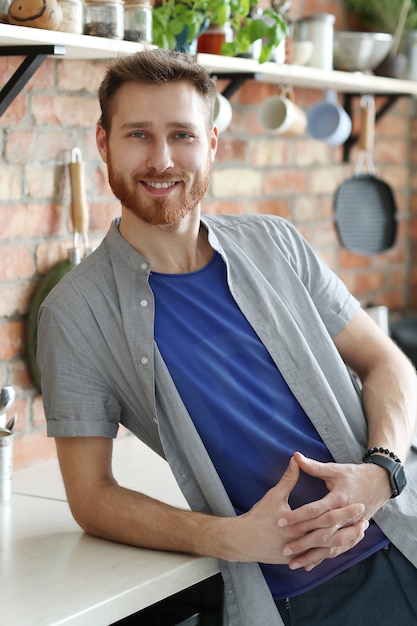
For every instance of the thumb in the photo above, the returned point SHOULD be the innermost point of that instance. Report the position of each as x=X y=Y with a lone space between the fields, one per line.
x=312 y=467
x=289 y=478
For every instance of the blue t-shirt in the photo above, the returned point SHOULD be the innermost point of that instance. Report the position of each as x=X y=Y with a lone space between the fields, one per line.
x=246 y=415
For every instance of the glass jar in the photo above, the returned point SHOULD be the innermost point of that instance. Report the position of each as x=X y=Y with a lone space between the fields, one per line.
x=4 y=9
x=138 y=21
x=104 y=18
x=72 y=16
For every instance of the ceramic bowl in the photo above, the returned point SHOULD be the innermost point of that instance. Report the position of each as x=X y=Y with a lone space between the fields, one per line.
x=359 y=52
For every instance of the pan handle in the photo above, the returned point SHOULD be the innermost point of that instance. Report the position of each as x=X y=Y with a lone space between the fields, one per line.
x=367 y=134
x=79 y=206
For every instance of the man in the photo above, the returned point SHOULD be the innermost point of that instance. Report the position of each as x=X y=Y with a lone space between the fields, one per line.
x=226 y=345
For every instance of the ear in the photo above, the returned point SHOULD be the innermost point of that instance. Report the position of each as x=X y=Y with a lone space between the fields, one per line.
x=214 y=137
x=101 y=140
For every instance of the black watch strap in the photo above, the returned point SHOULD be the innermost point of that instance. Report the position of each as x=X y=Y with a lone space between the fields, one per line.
x=395 y=471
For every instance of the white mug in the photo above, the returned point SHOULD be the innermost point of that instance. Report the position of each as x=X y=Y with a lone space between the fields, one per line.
x=328 y=121
x=222 y=113
x=281 y=116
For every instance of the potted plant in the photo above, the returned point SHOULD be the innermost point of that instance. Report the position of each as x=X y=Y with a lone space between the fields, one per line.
x=176 y=22
x=382 y=15
x=396 y=17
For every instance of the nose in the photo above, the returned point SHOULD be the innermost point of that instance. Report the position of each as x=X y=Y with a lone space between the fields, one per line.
x=160 y=157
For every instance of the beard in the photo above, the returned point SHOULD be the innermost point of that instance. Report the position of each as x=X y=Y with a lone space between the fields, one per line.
x=162 y=212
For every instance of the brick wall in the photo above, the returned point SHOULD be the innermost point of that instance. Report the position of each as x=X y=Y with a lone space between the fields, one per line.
x=294 y=178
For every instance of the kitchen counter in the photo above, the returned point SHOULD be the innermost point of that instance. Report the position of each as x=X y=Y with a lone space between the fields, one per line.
x=52 y=573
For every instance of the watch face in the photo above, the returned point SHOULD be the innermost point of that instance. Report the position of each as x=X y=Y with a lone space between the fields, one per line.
x=398 y=480
x=395 y=470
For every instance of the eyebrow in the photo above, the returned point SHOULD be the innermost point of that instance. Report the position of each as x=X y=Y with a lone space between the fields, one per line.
x=145 y=125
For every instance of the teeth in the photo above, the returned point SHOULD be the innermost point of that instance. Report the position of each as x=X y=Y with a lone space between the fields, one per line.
x=160 y=185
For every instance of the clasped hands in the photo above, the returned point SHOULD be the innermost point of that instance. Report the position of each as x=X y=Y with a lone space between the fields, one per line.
x=271 y=532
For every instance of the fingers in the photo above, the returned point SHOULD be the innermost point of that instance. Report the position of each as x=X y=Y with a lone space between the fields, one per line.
x=325 y=513
x=288 y=480
x=332 y=503
x=331 y=545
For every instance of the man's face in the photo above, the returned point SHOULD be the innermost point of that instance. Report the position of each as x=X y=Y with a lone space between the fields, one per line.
x=158 y=150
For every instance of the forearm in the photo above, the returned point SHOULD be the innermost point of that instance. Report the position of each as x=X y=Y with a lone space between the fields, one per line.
x=105 y=509
x=390 y=403
x=119 y=514
x=389 y=383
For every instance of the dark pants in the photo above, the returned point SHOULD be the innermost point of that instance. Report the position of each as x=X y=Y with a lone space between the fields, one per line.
x=379 y=591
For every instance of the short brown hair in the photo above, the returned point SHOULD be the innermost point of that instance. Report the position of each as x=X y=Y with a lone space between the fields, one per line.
x=154 y=67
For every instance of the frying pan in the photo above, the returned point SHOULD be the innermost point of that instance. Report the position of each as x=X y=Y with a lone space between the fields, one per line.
x=364 y=207
x=79 y=218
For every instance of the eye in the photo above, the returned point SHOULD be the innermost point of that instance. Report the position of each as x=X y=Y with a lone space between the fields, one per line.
x=184 y=135
x=137 y=134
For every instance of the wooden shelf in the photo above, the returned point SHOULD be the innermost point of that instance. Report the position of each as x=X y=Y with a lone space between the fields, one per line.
x=95 y=48
x=309 y=77
x=77 y=47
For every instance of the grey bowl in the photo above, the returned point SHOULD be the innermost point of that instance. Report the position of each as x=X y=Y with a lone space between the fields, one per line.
x=358 y=52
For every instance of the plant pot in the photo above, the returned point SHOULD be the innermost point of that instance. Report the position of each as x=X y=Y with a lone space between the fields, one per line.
x=183 y=45
x=211 y=41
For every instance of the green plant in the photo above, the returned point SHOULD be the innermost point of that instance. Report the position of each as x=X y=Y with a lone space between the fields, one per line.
x=382 y=15
x=270 y=28
x=189 y=18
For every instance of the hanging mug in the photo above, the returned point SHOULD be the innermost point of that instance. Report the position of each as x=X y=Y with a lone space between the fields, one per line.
x=222 y=113
x=328 y=121
x=279 y=115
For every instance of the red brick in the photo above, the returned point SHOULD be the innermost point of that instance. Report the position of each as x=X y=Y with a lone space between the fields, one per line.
x=65 y=110
x=234 y=150
x=17 y=262
x=80 y=75
x=15 y=298
x=11 y=339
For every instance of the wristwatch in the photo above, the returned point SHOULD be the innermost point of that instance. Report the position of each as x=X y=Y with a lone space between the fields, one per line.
x=395 y=470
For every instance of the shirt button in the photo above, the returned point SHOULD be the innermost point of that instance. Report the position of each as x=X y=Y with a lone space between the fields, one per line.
x=143 y=303
x=144 y=360
x=155 y=420
x=143 y=266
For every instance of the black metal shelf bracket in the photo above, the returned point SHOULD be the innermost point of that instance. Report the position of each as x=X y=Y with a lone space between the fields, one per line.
x=34 y=57
x=390 y=100
x=237 y=79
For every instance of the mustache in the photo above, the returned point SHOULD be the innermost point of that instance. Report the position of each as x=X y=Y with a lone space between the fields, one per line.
x=137 y=177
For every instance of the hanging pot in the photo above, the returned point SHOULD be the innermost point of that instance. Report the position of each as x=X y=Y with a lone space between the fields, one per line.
x=79 y=218
x=364 y=209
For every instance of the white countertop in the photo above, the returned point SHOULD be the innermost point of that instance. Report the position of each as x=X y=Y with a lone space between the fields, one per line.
x=52 y=573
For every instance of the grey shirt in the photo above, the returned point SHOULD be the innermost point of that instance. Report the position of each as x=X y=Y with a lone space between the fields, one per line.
x=100 y=367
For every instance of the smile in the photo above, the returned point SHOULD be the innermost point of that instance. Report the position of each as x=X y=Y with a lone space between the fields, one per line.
x=164 y=185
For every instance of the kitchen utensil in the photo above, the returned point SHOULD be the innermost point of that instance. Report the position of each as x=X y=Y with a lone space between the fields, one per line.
x=11 y=422
x=400 y=28
x=394 y=64
x=359 y=51
x=364 y=208
x=79 y=206
x=7 y=397
x=79 y=218
x=6 y=464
